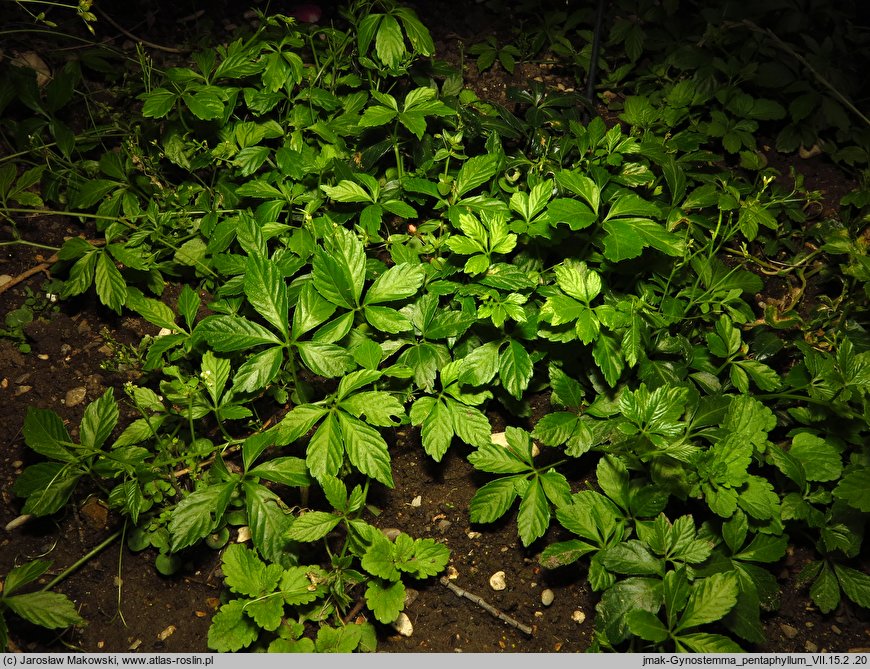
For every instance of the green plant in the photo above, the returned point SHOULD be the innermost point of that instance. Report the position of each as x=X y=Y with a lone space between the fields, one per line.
x=51 y=610
x=363 y=246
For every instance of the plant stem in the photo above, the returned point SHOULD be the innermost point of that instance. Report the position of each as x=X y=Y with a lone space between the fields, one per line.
x=34 y=244
x=82 y=560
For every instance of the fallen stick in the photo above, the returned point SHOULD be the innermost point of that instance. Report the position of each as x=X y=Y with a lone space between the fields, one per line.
x=41 y=267
x=482 y=603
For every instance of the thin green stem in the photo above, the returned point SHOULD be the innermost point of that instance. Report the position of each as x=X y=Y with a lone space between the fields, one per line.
x=23 y=242
x=82 y=560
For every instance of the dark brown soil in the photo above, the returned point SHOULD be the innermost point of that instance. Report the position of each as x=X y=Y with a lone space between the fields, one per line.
x=129 y=605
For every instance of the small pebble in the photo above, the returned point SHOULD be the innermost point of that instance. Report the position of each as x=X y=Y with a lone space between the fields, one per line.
x=578 y=617
x=473 y=535
x=403 y=625
x=444 y=525
x=391 y=532
x=42 y=356
x=497 y=581
x=811 y=647
x=452 y=573
x=789 y=631
x=836 y=630
x=417 y=501
x=244 y=534
x=547 y=597
x=75 y=396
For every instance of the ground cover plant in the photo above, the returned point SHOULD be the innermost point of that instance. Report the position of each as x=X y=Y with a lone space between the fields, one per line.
x=340 y=242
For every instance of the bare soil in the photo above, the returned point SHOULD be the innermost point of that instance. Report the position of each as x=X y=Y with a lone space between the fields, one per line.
x=130 y=606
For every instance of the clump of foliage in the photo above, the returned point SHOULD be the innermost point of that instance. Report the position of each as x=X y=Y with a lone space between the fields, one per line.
x=377 y=247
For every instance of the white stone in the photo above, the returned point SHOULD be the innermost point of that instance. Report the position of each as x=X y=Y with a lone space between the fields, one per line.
x=403 y=625
x=417 y=501
x=578 y=617
x=547 y=597
x=497 y=581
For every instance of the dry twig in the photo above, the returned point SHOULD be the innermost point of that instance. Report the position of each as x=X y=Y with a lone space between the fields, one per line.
x=482 y=603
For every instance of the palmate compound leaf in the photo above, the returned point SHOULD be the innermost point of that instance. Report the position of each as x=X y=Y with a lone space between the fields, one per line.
x=442 y=418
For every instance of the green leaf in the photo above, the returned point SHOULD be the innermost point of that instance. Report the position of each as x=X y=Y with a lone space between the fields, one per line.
x=581 y=185
x=45 y=433
x=474 y=172
x=646 y=626
x=342 y=639
x=703 y=642
x=608 y=356
x=515 y=368
x=205 y=105
x=632 y=558
x=469 y=424
x=233 y=333
x=298 y=422
x=20 y=576
x=398 y=282
x=497 y=459
x=153 y=311
x=158 y=103
x=389 y=42
x=379 y=408
x=710 y=600
x=338 y=269
x=385 y=599
x=578 y=281
x=376 y=116
x=379 y=559
x=246 y=574
x=820 y=460
x=295 y=585
x=533 y=518
x=437 y=425
x=98 y=421
x=492 y=500
x=366 y=449
x=47 y=487
x=631 y=594
x=269 y=519
x=313 y=525
x=46 y=609
x=259 y=370
x=856 y=584
x=328 y=360
x=563 y=553
x=198 y=514
x=430 y=558
x=110 y=285
x=231 y=630
x=326 y=448
x=266 y=291
x=853 y=488
x=347 y=191
x=627 y=237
